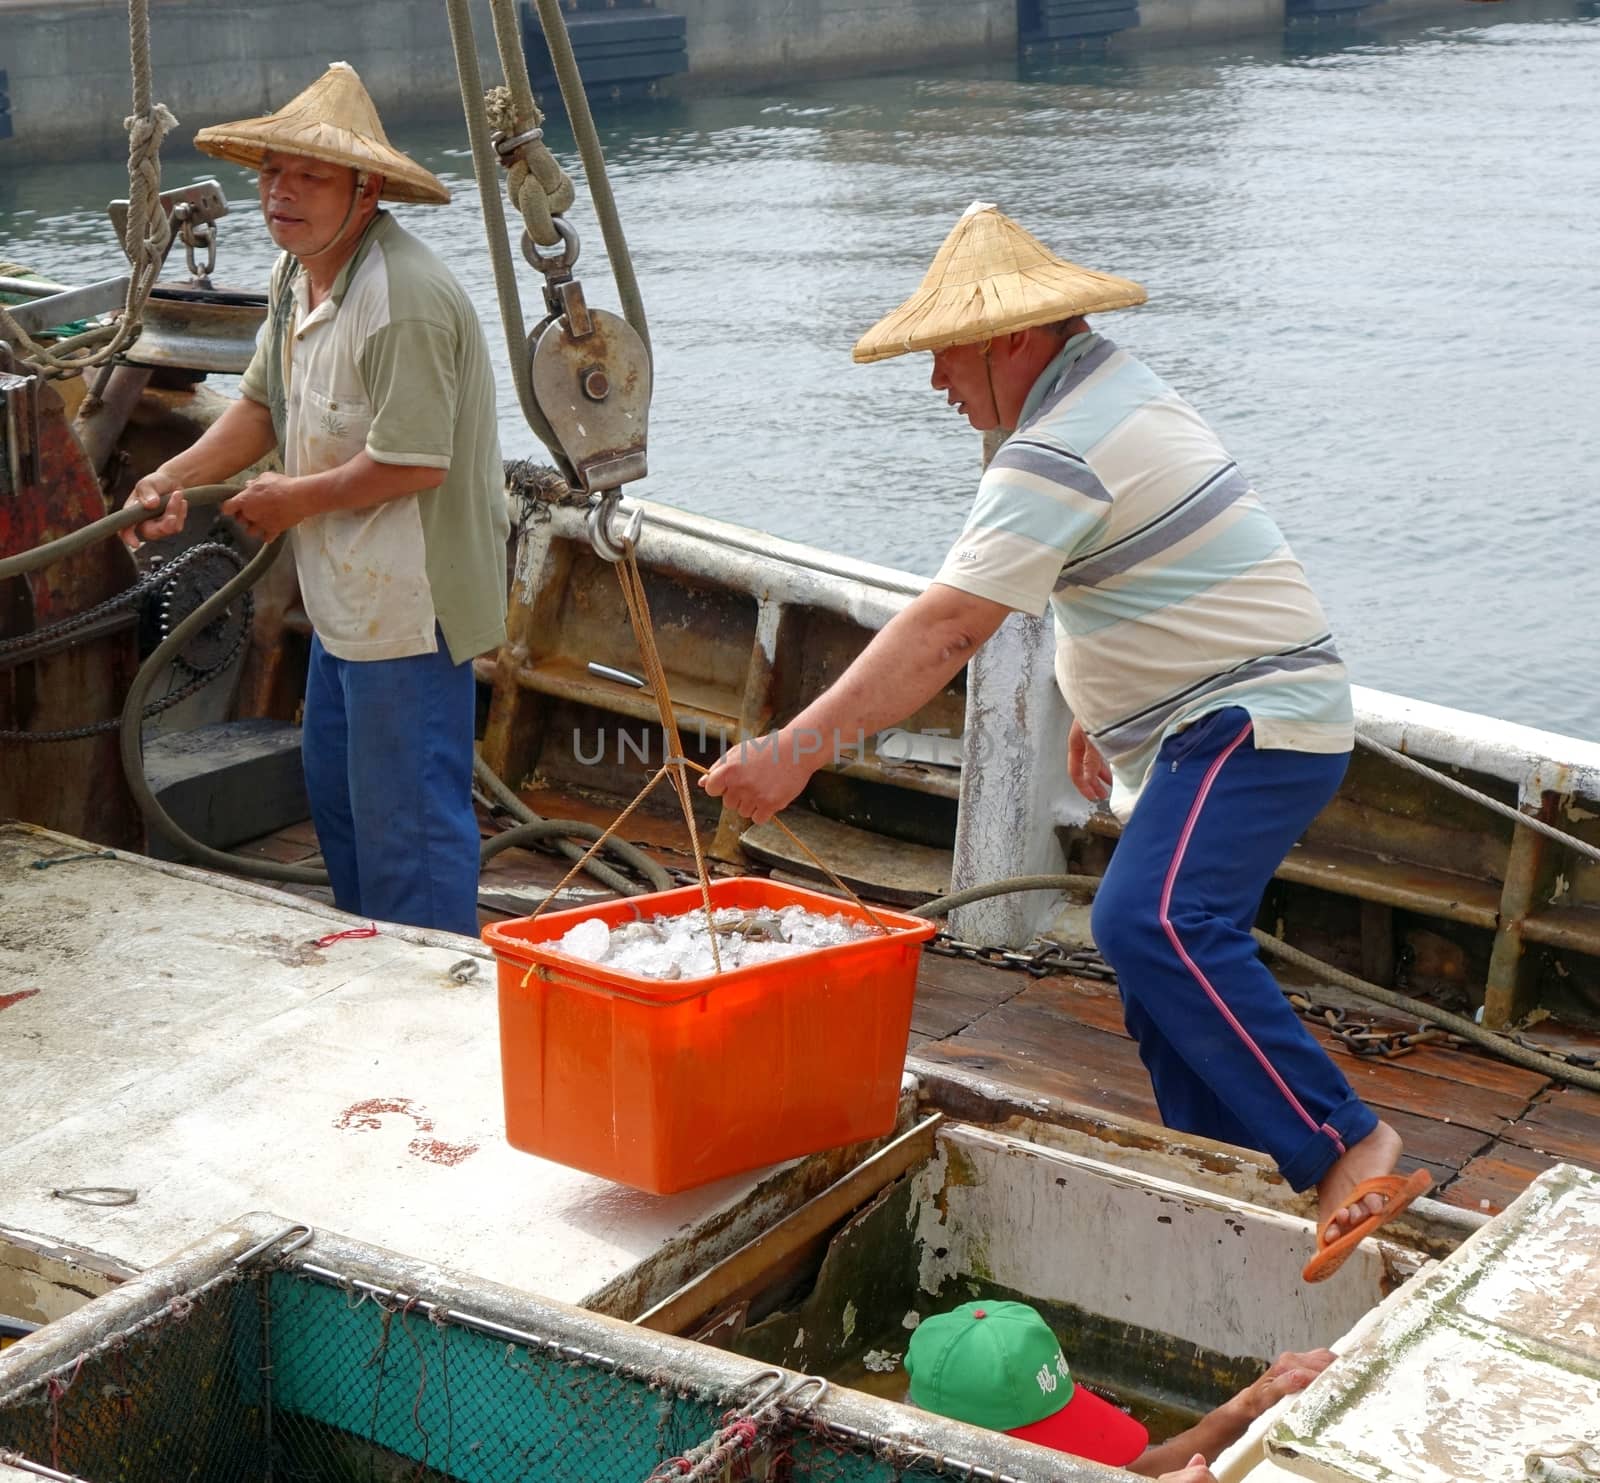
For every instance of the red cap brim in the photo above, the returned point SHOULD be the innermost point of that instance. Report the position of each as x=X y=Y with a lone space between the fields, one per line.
x=1089 y=1427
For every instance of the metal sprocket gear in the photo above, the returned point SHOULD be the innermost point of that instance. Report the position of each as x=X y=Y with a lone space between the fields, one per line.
x=189 y=587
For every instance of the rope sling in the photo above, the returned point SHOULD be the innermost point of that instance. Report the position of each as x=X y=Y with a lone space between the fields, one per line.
x=506 y=123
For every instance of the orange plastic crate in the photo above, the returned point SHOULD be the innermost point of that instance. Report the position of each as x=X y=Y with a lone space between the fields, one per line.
x=667 y=1084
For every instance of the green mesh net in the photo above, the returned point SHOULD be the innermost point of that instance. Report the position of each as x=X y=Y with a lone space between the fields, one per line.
x=286 y=1377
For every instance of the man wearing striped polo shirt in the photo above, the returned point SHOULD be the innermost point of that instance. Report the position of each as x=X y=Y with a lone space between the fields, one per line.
x=1200 y=672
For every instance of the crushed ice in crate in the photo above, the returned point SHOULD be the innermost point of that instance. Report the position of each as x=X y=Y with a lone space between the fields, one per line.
x=590 y=940
x=679 y=947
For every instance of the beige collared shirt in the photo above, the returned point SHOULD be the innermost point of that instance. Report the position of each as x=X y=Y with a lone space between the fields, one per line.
x=393 y=363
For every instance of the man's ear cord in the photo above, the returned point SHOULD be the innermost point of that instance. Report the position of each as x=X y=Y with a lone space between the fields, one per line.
x=355 y=200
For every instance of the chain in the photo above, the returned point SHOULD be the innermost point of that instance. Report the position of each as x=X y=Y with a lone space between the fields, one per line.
x=195 y=235
x=1039 y=958
x=157 y=576
x=155 y=708
x=1566 y=1057
x=149 y=582
x=1363 y=1039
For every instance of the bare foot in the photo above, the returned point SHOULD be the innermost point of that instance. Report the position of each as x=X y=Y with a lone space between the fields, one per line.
x=1374 y=1155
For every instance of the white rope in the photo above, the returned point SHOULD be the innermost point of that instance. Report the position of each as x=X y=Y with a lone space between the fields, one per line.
x=148 y=233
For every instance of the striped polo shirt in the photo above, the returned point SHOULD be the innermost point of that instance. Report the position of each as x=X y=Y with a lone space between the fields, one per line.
x=1174 y=592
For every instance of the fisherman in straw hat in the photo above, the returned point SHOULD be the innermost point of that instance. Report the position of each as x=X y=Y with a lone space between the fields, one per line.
x=1200 y=673
x=372 y=380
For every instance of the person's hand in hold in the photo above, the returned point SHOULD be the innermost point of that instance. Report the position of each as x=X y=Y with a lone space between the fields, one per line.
x=149 y=492
x=268 y=505
x=1196 y=1472
x=1289 y=1374
x=763 y=776
x=1086 y=767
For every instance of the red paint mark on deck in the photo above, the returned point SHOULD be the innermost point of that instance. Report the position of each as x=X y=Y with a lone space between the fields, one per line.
x=7 y=1000
x=435 y=1152
x=368 y=1116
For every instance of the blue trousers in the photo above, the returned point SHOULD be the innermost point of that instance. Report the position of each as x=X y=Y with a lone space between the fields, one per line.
x=387 y=746
x=1226 y=1053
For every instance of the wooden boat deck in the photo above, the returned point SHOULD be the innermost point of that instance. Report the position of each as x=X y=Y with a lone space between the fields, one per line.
x=1482 y=1127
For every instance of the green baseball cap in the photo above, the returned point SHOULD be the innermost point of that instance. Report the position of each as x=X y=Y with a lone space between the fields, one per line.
x=997 y=1365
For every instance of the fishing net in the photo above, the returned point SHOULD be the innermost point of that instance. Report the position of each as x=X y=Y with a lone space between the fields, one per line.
x=287 y=1377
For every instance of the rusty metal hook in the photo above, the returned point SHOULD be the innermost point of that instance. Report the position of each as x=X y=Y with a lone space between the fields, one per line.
x=607 y=546
x=789 y=1402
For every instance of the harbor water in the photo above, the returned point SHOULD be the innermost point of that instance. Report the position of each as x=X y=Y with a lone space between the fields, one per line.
x=1371 y=259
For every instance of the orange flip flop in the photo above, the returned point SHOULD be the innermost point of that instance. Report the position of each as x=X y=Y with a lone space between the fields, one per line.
x=1396 y=1190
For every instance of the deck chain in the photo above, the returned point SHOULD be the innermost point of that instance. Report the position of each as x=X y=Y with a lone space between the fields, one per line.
x=1364 y=1039
x=1566 y=1057
x=1039 y=958
x=147 y=584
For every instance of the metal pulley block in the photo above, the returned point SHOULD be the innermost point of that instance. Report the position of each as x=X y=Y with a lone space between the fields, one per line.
x=591 y=377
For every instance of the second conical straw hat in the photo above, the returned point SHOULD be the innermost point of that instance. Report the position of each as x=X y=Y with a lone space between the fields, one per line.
x=332 y=120
x=991 y=277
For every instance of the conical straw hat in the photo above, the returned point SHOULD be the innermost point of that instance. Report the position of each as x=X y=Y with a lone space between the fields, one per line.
x=990 y=278
x=332 y=120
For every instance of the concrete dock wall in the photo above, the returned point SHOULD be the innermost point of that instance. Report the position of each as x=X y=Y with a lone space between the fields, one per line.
x=68 y=76
x=69 y=82
x=1174 y=22
x=66 y=61
x=760 y=40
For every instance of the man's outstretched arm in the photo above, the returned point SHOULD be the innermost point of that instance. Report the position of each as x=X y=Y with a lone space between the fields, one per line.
x=1223 y=1427
x=907 y=663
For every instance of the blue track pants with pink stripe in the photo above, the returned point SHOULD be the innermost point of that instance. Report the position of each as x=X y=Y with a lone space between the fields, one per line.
x=1227 y=1055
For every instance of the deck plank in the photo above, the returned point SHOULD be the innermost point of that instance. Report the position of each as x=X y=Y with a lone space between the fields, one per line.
x=1463 y=1067
x=1086 y=1001
x=1026 y=1069
x=1045 y=1052
x=1388 y=1085
x=276 y=848
x=982 y=982
x=1437 y=1143
x=1493 y=1181
x=1564 y=1123
x=1407 y=1084
x=949 y=997
x=1092 y=1002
